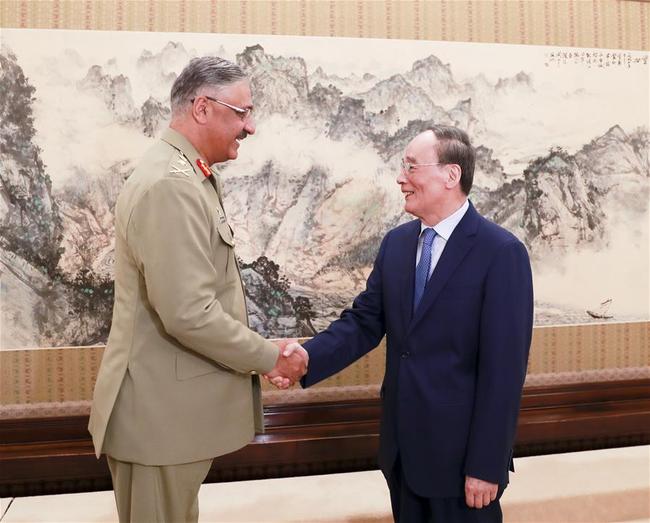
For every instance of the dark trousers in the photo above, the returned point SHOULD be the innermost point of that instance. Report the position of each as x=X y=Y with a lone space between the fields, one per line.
x=408 y=507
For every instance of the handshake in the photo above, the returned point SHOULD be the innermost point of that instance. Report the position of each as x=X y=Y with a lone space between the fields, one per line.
x=291 y=365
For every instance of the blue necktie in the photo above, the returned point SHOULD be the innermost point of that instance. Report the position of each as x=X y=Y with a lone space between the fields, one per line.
x=422 y=270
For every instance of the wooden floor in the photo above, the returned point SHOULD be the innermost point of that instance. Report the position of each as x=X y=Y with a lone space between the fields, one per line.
x=594 y=486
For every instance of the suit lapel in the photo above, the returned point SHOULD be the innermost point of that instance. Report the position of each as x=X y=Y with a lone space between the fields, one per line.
x=408 y=250
x=458 y=245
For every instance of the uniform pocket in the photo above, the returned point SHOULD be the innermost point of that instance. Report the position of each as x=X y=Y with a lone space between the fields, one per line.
x=190 y=366
x=226 y=233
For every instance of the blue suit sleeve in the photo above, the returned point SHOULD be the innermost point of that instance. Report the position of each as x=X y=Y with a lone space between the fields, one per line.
x=506 y=330
x=358 y=330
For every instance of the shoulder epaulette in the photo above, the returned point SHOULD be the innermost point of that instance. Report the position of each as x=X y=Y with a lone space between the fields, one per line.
x=179 y=166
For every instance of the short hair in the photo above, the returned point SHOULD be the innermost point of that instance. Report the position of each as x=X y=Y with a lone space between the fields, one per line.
x=453 y=146
x=203 y=71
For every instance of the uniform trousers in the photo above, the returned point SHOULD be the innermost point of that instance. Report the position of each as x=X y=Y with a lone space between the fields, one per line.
x=157 y=494
x=408 y=507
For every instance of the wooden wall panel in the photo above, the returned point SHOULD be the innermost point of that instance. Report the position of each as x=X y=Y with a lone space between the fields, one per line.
x=55 y=455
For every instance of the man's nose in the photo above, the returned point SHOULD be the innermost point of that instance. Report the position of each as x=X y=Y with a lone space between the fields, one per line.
x=250 y=125
x=401 y=178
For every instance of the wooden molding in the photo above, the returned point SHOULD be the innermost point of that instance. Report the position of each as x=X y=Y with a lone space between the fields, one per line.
x=55 y=455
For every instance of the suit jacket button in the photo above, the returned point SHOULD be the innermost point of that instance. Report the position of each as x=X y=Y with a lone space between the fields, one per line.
x=405 y=354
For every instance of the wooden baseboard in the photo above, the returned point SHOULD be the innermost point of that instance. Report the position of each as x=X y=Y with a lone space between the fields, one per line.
x=55 y=455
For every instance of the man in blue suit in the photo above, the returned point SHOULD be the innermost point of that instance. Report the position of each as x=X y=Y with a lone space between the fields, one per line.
x=453 y=294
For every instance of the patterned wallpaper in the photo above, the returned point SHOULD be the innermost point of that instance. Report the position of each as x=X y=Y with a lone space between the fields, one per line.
x=583 y=23
x=567 y=354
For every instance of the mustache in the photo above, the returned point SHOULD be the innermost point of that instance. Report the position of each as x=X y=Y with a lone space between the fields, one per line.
x=242 y=135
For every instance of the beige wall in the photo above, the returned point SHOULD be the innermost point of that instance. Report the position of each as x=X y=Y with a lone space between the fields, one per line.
x=558 y=355
x=582 y=23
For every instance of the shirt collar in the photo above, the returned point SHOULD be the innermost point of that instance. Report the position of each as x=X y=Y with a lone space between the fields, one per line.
x=445 y=227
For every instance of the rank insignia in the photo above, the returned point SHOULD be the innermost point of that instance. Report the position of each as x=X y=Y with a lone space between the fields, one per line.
x=180 y=166
x=204 y=167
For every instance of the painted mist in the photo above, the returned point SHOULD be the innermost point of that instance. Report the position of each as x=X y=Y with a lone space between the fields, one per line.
x=562 y=161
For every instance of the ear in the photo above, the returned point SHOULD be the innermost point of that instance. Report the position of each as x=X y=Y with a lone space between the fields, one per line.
x=199 y=110
x=453 y=175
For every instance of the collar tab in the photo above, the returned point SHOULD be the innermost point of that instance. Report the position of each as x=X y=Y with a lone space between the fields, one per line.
x=204 y=168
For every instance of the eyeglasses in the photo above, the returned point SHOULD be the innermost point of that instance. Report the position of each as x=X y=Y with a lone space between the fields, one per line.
x=243 y=113
x=408 y=167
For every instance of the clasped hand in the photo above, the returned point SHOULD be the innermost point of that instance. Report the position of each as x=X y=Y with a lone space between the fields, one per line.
x=291 y=365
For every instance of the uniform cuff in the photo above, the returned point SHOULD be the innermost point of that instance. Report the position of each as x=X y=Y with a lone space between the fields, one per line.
x=270 y=353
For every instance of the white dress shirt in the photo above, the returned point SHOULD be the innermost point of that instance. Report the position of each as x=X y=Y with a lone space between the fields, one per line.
x=443 y=233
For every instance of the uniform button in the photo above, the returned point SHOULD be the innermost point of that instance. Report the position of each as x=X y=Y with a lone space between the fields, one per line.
x=405 y=354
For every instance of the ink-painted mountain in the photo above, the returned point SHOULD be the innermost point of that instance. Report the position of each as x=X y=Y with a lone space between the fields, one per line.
x=115 y=91
x=273 y=311
x=362 y=108
x=408 y=101
x=154 y=117
x=138 y=95
x=621 y=165
x=280 y=84
x=44 y=305
x=554 y=206
x=30 y=222
x=311 y=196
x=162 y=68
x=323 y=230
x=343 y=84
x=87 y=208
x=303 y=220
x=434 y=78
x=563 y=200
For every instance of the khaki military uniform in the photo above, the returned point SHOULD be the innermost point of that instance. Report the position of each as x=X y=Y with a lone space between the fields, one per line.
x=178 y=381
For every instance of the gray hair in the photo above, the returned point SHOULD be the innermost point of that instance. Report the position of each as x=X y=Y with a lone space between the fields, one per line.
x=453 y=146
x=203 y=71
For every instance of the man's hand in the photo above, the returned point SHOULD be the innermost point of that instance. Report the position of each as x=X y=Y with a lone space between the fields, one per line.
x=479 y=493
x=291 y=364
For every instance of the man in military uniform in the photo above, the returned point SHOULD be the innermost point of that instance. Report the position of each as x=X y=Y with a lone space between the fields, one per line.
x=178 y=384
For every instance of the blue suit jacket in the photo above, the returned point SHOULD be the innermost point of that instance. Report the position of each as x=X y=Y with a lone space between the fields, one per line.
x=454 y=369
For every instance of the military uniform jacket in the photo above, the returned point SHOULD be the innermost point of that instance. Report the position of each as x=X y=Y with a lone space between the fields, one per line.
x=177 y=382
